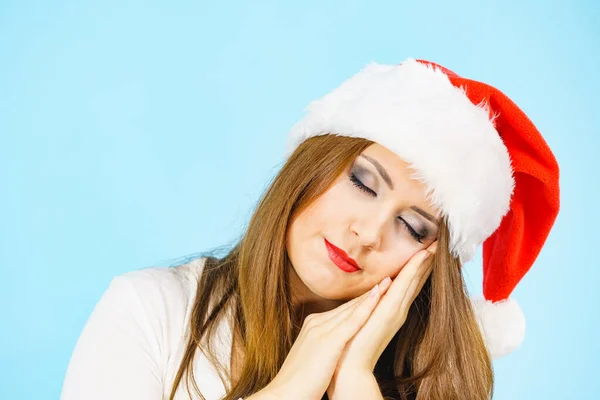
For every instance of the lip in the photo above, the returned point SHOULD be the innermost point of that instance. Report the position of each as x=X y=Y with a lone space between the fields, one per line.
x=340 y=258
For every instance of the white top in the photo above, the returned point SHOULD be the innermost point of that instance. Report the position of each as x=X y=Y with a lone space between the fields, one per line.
x=132 y=344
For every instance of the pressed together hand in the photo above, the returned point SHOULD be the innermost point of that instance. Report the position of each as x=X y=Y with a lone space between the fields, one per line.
x=334 y=347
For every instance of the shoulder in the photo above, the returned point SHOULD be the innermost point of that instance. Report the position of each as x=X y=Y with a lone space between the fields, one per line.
x=161 y=298
x=170 y=285
x=133 y=334
x=165 y=299
x=157 y=305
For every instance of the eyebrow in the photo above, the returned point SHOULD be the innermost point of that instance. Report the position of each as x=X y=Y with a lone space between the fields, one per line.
x=381 y=170
x=388 y=181
x=425 y=214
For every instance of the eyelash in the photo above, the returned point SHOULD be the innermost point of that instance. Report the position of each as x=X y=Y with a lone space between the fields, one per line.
x=356 y=182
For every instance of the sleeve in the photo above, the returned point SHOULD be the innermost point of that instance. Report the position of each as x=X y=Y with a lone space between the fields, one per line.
x=118 y=354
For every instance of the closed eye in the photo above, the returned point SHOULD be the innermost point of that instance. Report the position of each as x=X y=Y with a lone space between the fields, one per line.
x=419 y=238
x=361 y=186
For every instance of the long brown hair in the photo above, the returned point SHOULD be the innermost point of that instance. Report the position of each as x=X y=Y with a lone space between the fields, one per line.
x=439 y=352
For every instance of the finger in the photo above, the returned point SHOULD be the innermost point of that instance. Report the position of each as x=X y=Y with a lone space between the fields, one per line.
x=407 y=284
x=427 y=267
x=419 y=264
x=432 y=247
x=415 y=287
x=344 y=307
x=383 y=286
x=391 y=311
x=323 y=319
x=413 y=290
x=354 y=317
x=400 y=285
x=424 y=270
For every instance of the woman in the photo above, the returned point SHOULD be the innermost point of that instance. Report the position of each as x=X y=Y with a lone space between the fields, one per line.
x=401 y=173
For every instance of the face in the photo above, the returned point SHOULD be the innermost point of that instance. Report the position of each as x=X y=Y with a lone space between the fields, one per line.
x=375 y=213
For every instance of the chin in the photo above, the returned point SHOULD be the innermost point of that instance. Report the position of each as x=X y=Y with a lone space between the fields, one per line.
x=324 y=284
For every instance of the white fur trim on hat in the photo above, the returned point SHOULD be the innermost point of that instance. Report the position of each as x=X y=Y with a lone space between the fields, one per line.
x=451 y=144
x=502 y=324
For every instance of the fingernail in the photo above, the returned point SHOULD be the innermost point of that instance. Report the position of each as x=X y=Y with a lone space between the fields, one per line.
x=433 y=247
x=386 y=281
x=374 y=291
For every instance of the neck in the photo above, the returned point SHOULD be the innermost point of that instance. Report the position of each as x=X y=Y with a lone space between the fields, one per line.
x=306 y=302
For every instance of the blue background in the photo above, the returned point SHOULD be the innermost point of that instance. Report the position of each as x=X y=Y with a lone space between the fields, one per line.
x=133 y=133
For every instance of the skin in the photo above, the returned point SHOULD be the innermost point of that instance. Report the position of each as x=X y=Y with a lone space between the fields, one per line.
x=366 y=226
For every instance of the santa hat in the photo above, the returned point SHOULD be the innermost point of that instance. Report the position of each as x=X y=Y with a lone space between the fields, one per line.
x=484 y=163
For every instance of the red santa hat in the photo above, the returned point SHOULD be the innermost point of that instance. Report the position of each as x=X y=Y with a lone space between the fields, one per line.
x=484 y=163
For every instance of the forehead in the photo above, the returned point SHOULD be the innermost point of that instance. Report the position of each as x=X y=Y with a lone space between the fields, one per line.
x=405 y=187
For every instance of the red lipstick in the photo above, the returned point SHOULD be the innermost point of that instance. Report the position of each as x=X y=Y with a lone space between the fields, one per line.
x=340 y=258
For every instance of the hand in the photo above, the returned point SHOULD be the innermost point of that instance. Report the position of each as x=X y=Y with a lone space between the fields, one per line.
x=362 y=352
x=312 y=360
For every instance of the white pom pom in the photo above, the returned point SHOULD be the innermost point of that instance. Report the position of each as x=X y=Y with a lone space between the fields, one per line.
x=502 y=324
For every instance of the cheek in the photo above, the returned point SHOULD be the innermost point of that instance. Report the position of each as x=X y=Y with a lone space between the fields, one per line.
x=303 y=230
x=394 y=262
x=333 y=207
x=340 y=202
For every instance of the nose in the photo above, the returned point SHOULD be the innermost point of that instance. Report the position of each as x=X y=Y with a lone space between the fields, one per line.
x=369 y=230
